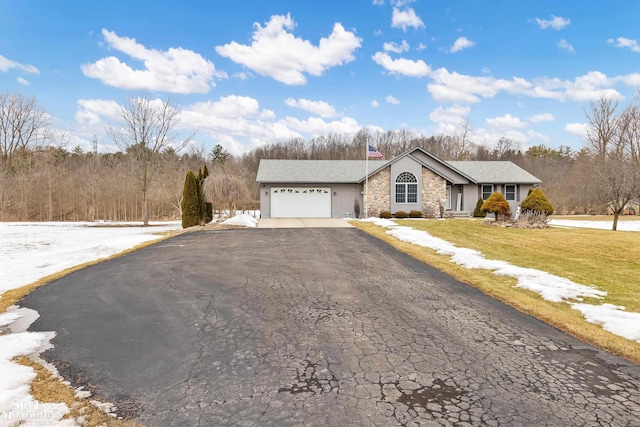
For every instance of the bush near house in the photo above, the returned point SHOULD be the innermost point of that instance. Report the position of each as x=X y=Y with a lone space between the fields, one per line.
x=415 y=214
x=385 y=214
x=401 y=214
x=536 y=201
x=477 y=212
x=496 y=204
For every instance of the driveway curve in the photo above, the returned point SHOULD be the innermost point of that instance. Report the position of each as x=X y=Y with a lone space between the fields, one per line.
x=326 y=327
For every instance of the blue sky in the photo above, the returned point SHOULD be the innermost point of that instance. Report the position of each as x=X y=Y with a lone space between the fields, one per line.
x=253 y=72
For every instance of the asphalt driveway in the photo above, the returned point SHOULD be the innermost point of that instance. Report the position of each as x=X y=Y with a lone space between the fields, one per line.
x=326 y=327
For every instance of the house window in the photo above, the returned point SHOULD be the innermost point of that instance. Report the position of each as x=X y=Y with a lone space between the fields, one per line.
x=510 y=192
x=406 y=188
x=448 y=206
x=487 y=189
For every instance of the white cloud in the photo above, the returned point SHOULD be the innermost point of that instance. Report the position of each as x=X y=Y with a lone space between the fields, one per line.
x=395 y=47
x=565 y=45
x=506 y=122
x=240 y=75
x=91 y=111
x=233 y=120
x=539 y=118
x=378 y=2
x=374 y=103
x=463 y=89
x=405 y=18
x=421 y=47
x=175 y=70
x=6 y=64
x=277 y=53
x=578 y=129
x=449 y=120
x=632 y=44
x=23 y=81
x=315 y=126
x=392 y=100
x=555 y=23
x=405 y=67
x=321 y=108
x=461 y=43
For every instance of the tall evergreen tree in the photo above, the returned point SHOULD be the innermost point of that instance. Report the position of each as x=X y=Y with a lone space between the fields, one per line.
x=191 y=205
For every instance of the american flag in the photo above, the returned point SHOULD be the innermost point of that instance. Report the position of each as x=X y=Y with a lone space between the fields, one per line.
x=372 y=153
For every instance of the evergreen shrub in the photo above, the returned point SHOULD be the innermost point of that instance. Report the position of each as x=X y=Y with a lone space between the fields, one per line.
x=536 y=201
x=415 y=214
x=477 y=212
x=401 y=214
x=191 y=207
x=496 y=204
x=385 y=214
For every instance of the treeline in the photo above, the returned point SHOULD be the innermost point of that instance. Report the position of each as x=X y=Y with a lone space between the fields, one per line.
x=41 y=179
x=57 y=184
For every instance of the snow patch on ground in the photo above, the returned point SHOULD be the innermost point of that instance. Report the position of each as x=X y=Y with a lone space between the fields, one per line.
x=29 y=252
x=243 y=220
x=628 y=225
x=552 y=288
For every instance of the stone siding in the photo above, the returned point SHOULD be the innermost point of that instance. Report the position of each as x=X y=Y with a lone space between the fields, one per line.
x=434 y=194
x=379 y=194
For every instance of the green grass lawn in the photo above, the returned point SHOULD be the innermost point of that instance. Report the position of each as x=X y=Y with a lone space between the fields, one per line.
x=608 y=260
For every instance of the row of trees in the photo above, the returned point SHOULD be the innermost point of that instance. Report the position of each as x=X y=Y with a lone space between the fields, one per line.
x=41 y=179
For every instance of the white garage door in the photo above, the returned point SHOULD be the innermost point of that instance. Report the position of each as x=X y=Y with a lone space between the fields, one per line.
x=295 y=202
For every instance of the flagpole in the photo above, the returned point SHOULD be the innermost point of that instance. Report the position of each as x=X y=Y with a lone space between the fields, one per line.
x=366 y=180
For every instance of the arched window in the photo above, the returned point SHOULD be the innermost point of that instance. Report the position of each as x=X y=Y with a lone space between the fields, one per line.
x=406 y=188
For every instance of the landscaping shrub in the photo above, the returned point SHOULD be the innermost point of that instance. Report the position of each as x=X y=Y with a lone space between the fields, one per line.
x=401 y=214
x=536 y=201
x=477 y=212
x=415 y=214
x=385 y=214
x=496 y=204
x=191 y=207
x=356 y=208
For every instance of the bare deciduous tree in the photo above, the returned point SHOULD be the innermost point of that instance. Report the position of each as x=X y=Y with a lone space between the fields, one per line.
x=23 y=124
x=148 y=126
x=612 y=141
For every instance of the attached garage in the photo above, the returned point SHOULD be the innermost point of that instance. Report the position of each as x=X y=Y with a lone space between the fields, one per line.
x=310 y=188
x=301 y=202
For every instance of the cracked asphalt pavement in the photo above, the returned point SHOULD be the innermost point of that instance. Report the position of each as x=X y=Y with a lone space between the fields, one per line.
x=326 y=327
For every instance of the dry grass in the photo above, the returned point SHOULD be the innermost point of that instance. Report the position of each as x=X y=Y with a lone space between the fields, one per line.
x=47 y=388
x=584 y=256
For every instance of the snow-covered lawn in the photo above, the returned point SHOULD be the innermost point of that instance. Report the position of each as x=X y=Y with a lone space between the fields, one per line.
x=31 y=251
x=550 y=287
x=628 y=225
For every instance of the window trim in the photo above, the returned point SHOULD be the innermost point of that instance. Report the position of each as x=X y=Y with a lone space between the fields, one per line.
x=482 y=192
x=402 y=194
x=515 y=192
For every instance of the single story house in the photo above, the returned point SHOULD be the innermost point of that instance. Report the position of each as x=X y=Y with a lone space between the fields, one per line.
x=415 y=180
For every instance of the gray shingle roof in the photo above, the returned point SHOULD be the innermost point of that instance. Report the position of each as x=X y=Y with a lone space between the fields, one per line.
x=314 y=171
x=352 y=171
x=495 y=172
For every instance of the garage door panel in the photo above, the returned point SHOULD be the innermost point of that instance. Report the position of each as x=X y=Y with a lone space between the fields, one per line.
x=301 y=202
